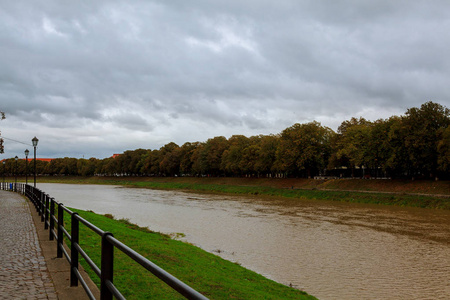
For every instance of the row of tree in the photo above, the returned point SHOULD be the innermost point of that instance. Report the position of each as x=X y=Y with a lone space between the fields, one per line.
x=415 y=144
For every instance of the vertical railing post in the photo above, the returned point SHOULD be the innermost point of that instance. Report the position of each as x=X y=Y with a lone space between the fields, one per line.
x=36 y=195
x=46 y=211
x=36 y=202
x=41 y=197
x=73 y=250
x=52 y=220
x=60 y=242
x=107 y=267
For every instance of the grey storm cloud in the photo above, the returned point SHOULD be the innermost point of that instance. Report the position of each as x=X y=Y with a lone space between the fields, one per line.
x=101 y=77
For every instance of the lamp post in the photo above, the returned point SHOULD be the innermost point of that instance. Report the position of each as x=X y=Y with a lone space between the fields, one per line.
x=4 y=163
x=15 y=173
x=35 y=142
x=26 y=165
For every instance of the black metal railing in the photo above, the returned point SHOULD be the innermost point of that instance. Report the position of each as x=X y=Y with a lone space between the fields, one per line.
x=52 y=215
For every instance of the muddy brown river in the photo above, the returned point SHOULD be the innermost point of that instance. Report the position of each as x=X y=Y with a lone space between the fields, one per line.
x=330 y=250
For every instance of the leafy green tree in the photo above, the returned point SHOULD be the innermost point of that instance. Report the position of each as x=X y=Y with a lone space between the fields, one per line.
x=186 y=162
x=212 y=152
x=86 y=167
x=398 y=162
x=232 y=157
x=51 y=168
x=61 y=166
x=99 y=167
x=304 y=147
x=170 y=159
x=198 y=158
x=379 y=145
x=423 y=128
x=315 y=148
x=41 y=166
x=444 y=151
x=139 y=165
x=353 y=142
x=128 y=162
x=69 y=166
x=155 y=162
x=82 y=166
x=136 y=156
x=150 y=162
x=250 y=154
x=267 y=149
x=110 y=166
x=121 y=163
x=142 y=164
x=337 y=161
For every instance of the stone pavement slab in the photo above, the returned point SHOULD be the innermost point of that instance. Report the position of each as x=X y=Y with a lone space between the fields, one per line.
x=29 y=268
x=23 y=270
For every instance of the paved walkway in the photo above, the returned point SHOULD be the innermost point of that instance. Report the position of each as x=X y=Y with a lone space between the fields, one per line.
x=23 y=270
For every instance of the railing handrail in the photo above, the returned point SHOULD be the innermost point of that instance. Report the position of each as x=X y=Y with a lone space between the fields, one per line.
x=45 y=206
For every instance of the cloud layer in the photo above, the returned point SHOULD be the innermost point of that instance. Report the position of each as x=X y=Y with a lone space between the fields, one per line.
x=96 y=77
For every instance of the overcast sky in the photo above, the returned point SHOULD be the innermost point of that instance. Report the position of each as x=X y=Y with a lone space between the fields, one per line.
x=93 y=78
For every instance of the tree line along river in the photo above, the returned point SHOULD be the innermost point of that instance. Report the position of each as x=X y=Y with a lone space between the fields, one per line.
x=331 y=250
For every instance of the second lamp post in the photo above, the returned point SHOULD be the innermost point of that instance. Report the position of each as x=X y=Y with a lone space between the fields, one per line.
x=26 y=165
x=15 y=173
x=35 y=142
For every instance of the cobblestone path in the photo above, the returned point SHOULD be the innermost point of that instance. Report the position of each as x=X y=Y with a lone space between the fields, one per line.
x=23 y=271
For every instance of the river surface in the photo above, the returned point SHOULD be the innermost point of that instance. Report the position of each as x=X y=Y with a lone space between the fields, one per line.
x=330 y=250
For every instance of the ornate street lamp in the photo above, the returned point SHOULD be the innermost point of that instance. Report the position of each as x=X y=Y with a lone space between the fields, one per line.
x=4 y=162
x=15 y=174
x=35 y=142
x=26 y=165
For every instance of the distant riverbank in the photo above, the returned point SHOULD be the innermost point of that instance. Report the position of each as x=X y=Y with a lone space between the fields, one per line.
x=425 y=194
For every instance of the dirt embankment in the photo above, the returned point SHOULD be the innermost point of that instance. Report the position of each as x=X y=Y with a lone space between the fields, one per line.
x=374 y=185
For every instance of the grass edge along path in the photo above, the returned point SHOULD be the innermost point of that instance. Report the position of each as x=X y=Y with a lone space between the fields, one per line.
x=207 y=273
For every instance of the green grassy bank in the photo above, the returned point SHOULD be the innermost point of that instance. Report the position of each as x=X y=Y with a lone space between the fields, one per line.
x=424 y=194
x=211 y=275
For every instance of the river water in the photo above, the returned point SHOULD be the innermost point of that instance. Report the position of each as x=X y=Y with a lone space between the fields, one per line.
x=328 y=249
